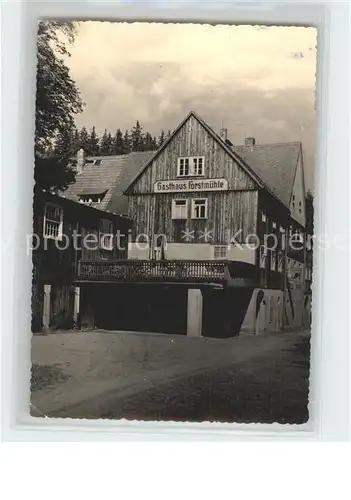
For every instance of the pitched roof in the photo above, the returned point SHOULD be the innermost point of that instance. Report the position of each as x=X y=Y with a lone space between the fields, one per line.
x=275 y=164
x=228 y=149
x=111 y=176
x=271 y=166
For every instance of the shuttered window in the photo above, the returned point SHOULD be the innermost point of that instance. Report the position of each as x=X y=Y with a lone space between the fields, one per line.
x=179 y=209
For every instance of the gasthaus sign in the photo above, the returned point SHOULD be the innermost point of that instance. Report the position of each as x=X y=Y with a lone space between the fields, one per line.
x=187 y=186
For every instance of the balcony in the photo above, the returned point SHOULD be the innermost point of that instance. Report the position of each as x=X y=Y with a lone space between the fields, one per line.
x=217 y=274
x=146 y=271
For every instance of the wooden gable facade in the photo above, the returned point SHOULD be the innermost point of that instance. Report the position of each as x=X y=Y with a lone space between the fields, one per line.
x=227 y=211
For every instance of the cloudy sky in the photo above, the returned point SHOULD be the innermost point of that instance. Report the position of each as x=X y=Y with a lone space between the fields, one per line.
x=254 y=81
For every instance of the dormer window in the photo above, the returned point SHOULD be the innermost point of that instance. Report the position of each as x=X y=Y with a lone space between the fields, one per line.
x=191 y=166
x=91 y=196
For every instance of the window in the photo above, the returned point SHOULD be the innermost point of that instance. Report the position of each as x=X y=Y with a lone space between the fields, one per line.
x=280 y=261
x=274 y=225
x=199 y=209
x=89 y=198
x=263 y=254
x=191 y=166
x=53 y=222
x=297 y=237
x=220 y=252
x=106 y=234
x=198 y=166
x=179 y=209
x=264 y=217
x=273 y=259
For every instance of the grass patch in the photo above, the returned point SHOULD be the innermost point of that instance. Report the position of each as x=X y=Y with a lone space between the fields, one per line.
x=43 y=376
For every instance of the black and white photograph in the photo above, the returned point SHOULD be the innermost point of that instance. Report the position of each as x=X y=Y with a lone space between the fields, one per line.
x=173 y=222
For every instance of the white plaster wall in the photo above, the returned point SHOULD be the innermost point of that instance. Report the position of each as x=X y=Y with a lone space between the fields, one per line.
x=243 y=253
x=136 y=251
x=194 y=313
x=270 y=316
x=195 y=251
x=189 y=251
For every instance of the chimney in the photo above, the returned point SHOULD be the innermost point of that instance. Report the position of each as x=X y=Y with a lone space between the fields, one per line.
x=80 y=161
x=250 y=141
x=224 y=134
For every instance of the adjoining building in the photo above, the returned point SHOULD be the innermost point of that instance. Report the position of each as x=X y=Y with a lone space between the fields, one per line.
x=66 y=233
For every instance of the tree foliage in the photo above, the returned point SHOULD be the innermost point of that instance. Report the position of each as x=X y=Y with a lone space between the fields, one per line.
x=58 y=100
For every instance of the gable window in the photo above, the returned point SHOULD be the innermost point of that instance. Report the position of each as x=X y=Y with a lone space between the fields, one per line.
x=183 y=167
x=53 y=222
x=179 y=209
x=220 y=252
x=198 y=165
x=190 y=166
x=106 y=235
x=199 y=208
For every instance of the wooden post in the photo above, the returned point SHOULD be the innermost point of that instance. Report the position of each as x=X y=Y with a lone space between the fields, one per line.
x=47 y=306
x=194 y=318
x=76 y=308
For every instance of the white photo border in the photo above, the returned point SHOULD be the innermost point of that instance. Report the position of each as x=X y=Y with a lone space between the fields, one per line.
x=330 y=385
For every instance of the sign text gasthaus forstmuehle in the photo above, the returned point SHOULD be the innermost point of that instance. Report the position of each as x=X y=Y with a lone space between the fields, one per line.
x=190 y=185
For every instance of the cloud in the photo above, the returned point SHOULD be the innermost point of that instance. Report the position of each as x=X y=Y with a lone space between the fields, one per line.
x=240 y=76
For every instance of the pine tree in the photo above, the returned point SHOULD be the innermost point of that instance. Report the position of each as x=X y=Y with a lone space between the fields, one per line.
x=64 y=143
x=76 y=141
x=161 y=139
x=105 y=144
x=126 y=142
x=137 y=137
x=117 y=146
x=154 y=143
x=84 y=139
x=93 y=144
x=148 y=142
x=110 y=144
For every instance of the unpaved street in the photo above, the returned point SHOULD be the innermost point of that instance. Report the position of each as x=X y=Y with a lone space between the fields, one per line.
x=140 y=376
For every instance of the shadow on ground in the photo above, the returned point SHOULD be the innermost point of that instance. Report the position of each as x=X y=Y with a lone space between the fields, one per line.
x=270 y=388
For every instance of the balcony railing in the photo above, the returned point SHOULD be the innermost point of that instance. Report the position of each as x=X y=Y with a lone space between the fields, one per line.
x=139 y=271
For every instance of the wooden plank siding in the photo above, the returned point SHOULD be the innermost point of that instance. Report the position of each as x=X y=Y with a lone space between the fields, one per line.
x=54 y=261
x=228 y=211
x=193 y=140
